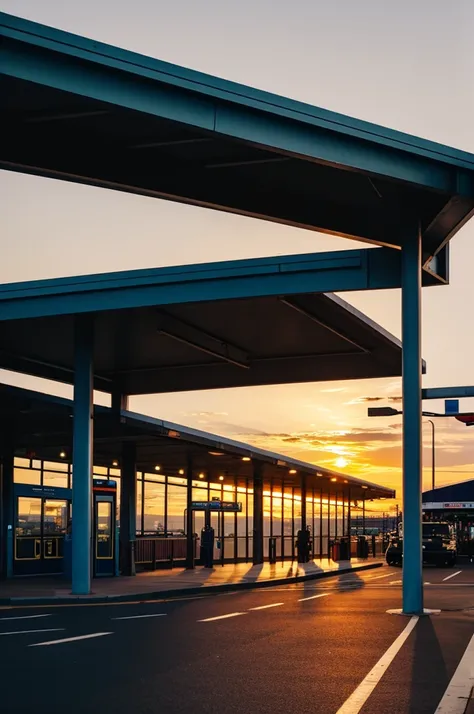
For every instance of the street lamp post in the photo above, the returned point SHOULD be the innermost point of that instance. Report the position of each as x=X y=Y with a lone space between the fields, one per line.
x=433 y=466
x=390 y=411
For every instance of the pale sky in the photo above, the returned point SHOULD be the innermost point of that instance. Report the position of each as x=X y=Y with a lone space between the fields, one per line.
x=407 y=65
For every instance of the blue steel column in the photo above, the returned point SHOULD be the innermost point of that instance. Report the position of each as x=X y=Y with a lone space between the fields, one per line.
x=190 y=541
x=7 y=527
x=411 y=340
x=128 y=508
x=257 y=542
x=82 y=456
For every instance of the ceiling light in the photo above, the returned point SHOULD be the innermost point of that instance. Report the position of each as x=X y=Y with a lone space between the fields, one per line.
x=201 y=475
x=334 y=478
x=221 y=478
x=114 y=463
x=157 y=468
x=292 y=471
x=216 y=453
x=62 y=454
x=346 y=481
x=246 y=458
x=181 y=472
x=365 y=487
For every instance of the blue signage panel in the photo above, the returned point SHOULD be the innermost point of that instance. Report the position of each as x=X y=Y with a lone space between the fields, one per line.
x=451 y=406
x=23 y=489
x=228 y=506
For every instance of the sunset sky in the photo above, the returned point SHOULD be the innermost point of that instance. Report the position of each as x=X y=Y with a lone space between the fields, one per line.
x=407 y=65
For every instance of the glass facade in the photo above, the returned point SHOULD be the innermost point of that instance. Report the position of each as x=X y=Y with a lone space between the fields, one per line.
x=161 y=509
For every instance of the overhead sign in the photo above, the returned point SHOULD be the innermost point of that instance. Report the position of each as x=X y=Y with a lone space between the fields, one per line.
x=455 y=505
x=228 y=506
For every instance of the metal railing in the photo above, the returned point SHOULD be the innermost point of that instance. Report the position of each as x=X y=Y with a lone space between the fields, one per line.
x=152 y=550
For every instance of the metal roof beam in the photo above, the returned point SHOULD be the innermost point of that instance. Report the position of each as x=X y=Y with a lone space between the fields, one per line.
x=201 y=340
x=447 y=393
x=341 y=271
x=55 y=59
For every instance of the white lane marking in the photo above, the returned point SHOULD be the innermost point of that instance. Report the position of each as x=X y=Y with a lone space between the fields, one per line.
x=138 y=617
x=451 y=576
x=359 y=696
x=459 y=689
x=28 y=632
x=222 y=617
x=265 y=607
x=23 y=617
x=377 y=577
x=70 y=639
x=312 y=597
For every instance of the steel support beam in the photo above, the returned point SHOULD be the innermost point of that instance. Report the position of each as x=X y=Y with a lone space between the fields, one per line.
x=128 y=508
x=303 y=502
x=258 y=468
x=447 y=393
x=6 y=508
x=201 y=340
x=82 y=456
x=189 y=514
x=412 y=444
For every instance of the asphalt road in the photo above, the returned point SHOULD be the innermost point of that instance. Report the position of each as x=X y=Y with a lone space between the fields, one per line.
x=300 y=649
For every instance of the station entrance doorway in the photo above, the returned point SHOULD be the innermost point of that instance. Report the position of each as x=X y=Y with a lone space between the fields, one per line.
x=41 y=517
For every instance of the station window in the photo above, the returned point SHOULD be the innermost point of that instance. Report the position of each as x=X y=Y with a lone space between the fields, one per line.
x=29 y=476
x=52 y=478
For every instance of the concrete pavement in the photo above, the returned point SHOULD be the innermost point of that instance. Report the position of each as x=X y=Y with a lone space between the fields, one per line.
x=178 y=581
x=291 y=649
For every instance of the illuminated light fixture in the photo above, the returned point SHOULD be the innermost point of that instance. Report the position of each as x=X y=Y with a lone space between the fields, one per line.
x=334 y=478
x=62 y=454
x=181 y=472
x=216 y=453
x=157 y=468
x=201 y=475
x=221 y=478
x=246 y=458
x=365 y=487
x=292 y=471
x=114 y=463
x=346 y=481
x=318 y=474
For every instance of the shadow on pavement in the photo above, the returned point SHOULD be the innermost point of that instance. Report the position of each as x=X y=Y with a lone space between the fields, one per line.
x=429 y=675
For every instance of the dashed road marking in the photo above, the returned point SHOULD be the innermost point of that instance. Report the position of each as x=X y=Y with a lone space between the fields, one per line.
x=70 y=639
x=456 y=697
x=29 y=632
x=452 y=575
x=265 y=607
x=23 y=617
x=359 y=696
x=313 y=597
x=139 y=617
x=222 y=617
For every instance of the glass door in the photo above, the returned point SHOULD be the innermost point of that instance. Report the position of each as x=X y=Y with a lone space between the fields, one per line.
x=27 y=545
x=55 y=519
x=39 y=535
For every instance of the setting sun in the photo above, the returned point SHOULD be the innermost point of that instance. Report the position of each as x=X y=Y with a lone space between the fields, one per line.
x=341 y=462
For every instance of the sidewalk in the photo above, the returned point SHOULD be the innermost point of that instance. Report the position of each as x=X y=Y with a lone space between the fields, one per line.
x=179 y=581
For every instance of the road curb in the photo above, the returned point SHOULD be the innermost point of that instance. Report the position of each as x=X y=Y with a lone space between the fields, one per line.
x=198 y=590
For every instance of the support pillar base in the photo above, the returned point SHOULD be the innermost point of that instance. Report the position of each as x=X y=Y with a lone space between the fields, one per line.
x=426 y=611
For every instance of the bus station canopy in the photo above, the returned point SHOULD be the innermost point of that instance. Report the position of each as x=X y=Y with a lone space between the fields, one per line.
x=83 y=111
x=40 y=426
x=235 y=324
